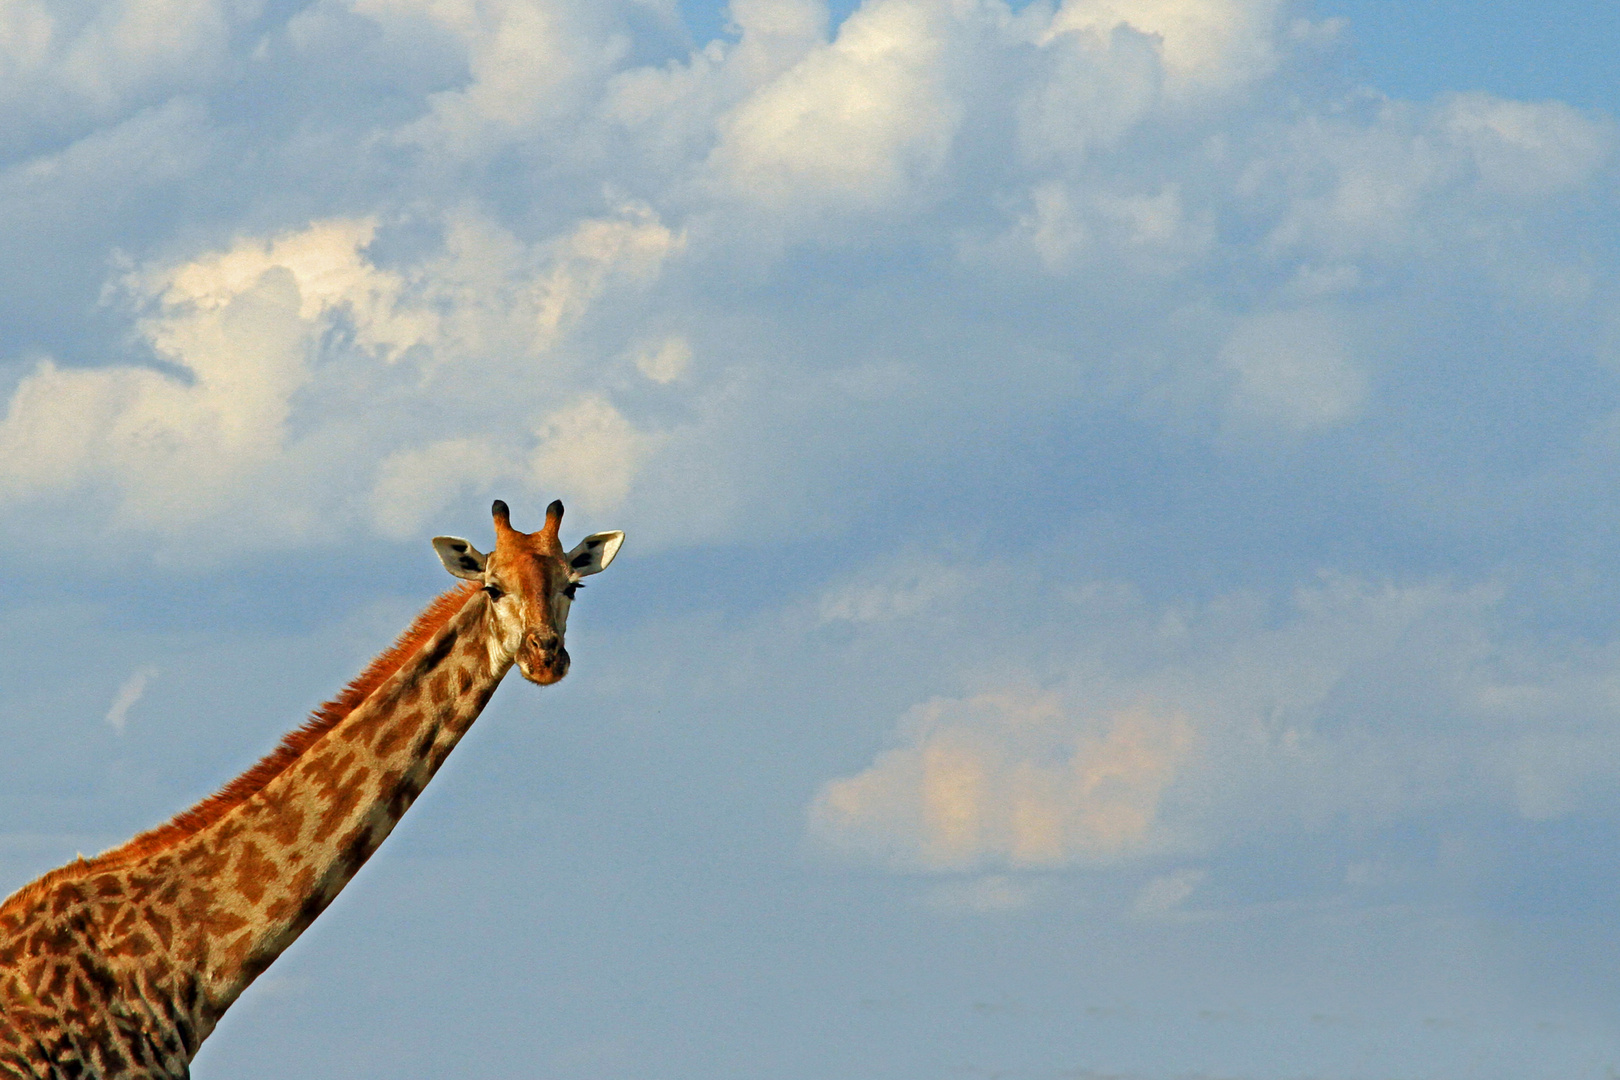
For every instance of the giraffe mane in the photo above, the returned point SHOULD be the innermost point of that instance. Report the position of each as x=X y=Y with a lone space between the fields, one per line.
x=292 y=746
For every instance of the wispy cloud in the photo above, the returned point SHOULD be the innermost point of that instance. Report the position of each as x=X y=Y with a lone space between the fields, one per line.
x=128 y=695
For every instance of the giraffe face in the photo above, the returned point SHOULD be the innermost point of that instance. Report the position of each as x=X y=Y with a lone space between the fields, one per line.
x=531 y=584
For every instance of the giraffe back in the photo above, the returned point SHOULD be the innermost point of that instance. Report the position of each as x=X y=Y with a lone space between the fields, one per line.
x=98 y=1011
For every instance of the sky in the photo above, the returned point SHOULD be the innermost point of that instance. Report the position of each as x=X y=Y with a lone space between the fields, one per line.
x=1123 y=561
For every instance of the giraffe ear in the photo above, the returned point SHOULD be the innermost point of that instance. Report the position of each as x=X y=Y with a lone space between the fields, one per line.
x=460 y=557
x=594 y=553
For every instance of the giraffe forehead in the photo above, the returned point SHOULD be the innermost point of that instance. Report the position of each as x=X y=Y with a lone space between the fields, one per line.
x=536 y=571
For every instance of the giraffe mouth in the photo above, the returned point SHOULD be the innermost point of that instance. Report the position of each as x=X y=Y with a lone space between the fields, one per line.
x=544 y=667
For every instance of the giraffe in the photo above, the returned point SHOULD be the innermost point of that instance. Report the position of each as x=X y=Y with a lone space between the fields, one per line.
x=118 y=967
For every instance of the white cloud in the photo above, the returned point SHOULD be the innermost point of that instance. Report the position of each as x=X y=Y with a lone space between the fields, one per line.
x=1012 y=778
x=278 y=352
x=128 y=694
x=588 y=453
x=1204 y=44
x=243 y=326
x=895 y=596
x=161 y=145
x=1096 y=88
x=857 y=123
x=1405 y=180
x=1293 y=369
x=328 y=265
x=632 y=245
x=176 y=449
x=775 y=34
x=61 y=63
x=414 y=484
x=25 y=36
x=1148 y=233
x=528 y=62
x=135 y=40
x=489 y=300
x=1528 y=149
x=1197 y=222
x=667 y=361
x=1188 y=729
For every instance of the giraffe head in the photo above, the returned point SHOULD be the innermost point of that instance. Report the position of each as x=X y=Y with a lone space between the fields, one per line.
x=531 y=582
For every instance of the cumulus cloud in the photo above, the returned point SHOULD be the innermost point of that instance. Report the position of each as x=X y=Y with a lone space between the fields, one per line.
x=1091 y=90
x=242 y=326
x=590 y=453
x=175 y=449
x=328 y=266
x=1189 y=729
x=276 y=356
x=633 y=245
x=526 y=60
x=1203 y=44
x=1012 y=778
x=1528 y=149
x=857 y=122
x=62 y=65
x=415 y=483
x=1127 y=205
x=1149 y=233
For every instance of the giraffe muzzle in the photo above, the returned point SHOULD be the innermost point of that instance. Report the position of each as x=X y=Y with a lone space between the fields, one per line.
x=542 y=660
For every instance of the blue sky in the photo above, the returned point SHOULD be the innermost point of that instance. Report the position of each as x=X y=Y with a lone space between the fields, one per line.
x=1532 y=52
x=1122 y=562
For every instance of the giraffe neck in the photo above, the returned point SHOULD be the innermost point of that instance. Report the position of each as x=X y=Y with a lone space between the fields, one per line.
x=267 y=869
x=122 y=965
x=175 y=935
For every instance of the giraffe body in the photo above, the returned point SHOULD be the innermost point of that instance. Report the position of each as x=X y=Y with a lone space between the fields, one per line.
x=119 y=967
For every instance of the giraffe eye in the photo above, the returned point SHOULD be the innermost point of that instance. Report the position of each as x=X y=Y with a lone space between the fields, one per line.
x=494 y=592
x=569 y=591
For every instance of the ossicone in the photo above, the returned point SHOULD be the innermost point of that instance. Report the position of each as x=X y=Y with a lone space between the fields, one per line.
x=548 y=531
